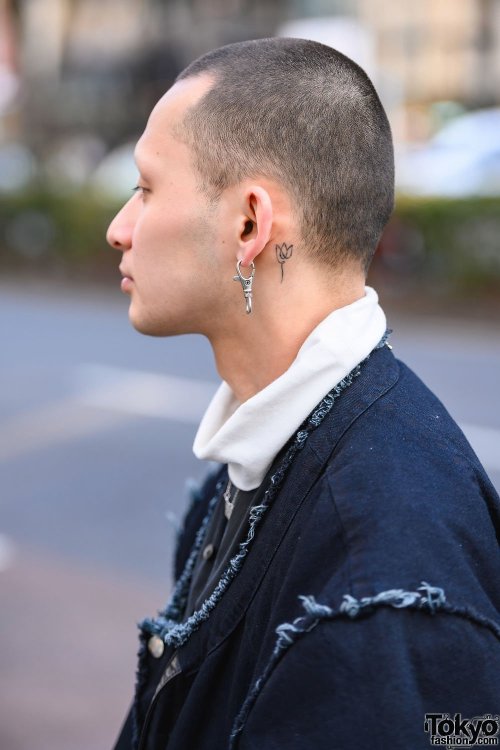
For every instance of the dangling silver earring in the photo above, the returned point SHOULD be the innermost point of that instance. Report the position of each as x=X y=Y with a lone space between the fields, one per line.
x=246 y=284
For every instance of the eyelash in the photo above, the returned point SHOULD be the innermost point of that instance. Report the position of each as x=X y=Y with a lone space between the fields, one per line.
x=140 y=189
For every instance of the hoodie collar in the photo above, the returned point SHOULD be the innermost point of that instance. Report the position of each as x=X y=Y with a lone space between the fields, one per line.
x=248 y=436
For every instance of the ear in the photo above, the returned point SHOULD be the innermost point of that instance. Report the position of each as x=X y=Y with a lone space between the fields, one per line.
x=256 y=223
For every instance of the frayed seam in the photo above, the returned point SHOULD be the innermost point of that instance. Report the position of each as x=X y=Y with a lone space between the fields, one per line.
x=312 y=607
x=432 y=598
x=288 y=631
x=166 y=625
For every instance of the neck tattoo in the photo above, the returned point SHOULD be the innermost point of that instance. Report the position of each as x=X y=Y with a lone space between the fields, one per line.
x=283 y=253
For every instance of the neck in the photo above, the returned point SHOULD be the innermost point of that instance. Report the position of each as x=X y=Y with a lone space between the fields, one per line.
x=253 y=350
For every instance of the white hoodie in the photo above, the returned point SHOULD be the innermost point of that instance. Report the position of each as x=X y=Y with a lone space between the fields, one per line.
x=248 y=436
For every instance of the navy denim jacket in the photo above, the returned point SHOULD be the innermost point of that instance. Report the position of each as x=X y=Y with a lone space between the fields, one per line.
x=368 y=596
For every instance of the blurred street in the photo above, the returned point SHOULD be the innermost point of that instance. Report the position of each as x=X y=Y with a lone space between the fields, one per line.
x=96 y=421
x=96 y=428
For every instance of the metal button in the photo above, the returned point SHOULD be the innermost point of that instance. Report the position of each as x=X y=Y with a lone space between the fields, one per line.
x=208 y=551
x=156 y=646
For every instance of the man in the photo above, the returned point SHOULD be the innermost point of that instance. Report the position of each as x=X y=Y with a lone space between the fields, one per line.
x=337 y=577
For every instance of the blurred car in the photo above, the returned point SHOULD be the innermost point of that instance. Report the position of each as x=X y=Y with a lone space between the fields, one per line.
x=462 y=159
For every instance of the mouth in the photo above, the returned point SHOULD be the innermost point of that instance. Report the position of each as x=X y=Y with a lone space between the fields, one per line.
x=127 y=280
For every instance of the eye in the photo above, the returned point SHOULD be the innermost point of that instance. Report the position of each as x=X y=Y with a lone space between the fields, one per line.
x=140 y=189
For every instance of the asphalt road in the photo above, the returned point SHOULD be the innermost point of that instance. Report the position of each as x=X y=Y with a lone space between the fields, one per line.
x=96 y=428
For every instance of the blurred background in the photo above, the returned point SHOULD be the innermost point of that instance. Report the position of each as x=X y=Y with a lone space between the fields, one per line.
x=97 y=422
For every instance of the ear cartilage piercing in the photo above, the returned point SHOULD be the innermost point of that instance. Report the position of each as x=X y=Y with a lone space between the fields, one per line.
x=246 y=284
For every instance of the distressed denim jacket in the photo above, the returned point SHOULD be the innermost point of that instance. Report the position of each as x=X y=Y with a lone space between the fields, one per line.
x=366 y=595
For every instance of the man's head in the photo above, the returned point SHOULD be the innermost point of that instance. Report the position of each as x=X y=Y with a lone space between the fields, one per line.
x=258 y=146
x=308 y=117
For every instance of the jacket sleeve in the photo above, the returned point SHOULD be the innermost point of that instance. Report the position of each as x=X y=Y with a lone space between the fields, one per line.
x=367 y=683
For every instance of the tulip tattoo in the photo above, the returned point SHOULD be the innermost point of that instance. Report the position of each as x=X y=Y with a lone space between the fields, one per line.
x=283 y=253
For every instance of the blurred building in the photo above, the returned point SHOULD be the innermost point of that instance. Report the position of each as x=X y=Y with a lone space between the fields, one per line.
x=99 y=65
x=441 y=50
x=436 y=51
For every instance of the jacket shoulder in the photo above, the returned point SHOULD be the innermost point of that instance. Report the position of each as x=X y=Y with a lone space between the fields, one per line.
x=412 y=500
x=408 y=423
x=367 y=677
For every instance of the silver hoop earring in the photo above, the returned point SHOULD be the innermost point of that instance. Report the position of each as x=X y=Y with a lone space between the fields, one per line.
x=246 y=284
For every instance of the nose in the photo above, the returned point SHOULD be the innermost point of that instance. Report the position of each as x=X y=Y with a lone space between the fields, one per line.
x=120 y=231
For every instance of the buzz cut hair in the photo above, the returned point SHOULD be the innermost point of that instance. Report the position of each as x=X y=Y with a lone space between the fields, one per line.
x=305 y=115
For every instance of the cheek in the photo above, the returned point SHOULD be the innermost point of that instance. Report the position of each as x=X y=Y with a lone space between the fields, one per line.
x=163 y=226
x=175 y=237
x=151 y=245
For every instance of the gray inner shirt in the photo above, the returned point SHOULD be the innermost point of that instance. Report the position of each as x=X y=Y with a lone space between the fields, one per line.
x=222 y=540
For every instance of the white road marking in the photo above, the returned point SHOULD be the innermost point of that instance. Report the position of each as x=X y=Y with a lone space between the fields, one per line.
x=103 y=397
x=143 y=393
x=50 y=424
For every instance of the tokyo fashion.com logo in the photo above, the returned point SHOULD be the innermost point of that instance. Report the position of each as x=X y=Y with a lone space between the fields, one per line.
x=453 y=731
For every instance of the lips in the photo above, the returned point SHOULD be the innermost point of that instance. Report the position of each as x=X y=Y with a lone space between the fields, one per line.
x=125 y=273
x=127 y=281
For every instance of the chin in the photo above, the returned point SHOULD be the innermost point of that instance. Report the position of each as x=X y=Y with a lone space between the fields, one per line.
x=150 y=326
x=145 y=326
